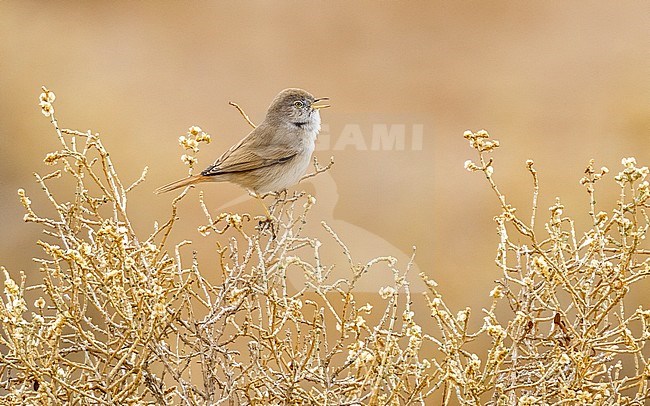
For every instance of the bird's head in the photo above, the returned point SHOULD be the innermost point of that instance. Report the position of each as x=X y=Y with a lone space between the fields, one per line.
x=296 y=107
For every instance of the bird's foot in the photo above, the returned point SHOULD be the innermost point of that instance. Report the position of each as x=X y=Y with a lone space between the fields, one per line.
x=268 y=223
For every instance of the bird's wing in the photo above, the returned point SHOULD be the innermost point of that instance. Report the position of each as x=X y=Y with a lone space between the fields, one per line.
x=244 y=157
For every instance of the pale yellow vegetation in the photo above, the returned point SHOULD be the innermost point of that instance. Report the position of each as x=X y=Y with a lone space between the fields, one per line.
x=123 y=318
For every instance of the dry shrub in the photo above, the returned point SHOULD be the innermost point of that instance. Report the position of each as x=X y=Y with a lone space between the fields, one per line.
x=122 y=318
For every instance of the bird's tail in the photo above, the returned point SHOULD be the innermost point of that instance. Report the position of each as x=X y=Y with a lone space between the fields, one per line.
x=191 y=180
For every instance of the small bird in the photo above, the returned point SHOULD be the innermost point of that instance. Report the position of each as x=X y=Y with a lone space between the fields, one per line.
x=275 y=155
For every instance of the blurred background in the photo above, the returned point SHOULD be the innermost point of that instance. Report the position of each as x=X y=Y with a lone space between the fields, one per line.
x=559 y=83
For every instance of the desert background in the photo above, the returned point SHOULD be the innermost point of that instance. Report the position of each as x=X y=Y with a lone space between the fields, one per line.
x=559 y=83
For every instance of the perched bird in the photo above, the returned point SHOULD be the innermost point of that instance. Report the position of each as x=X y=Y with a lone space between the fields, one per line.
x=275 y=155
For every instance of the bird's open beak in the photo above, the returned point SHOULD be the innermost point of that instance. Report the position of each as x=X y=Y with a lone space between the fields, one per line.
x=320 y=106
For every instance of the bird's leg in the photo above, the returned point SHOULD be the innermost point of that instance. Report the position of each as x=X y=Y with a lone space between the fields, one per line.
x=269 y=222
x=260 y=198
x=266 y=210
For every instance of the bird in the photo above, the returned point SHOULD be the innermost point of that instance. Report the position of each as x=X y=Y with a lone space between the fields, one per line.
x=274 y=155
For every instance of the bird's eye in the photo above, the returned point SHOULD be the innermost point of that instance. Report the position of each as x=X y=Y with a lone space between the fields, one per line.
x=298 y=104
